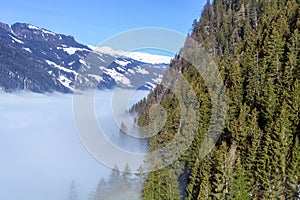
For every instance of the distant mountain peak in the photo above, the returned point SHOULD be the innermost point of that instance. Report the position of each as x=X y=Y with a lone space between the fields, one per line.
x=140 y=56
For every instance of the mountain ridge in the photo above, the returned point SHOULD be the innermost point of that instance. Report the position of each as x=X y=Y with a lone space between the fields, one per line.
x=28 y=51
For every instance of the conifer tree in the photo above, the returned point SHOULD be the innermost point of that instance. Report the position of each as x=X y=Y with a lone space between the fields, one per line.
x=293 y=182
x=281 y=139
x=204 y=186
x=194 y=181
x=239 y=188
x=219 y=179
x=172 y=185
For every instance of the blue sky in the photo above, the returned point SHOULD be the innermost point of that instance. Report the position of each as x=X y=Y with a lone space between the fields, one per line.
x=93 y=21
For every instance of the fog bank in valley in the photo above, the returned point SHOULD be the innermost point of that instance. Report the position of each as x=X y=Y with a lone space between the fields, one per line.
x=40 y=151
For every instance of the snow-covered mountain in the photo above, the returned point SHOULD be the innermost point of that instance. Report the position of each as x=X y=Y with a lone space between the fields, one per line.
x=36 y=59
x=139 y=56
x=108 y=68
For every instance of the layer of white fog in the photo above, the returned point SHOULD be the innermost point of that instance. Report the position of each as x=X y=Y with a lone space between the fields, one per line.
x=40 y=150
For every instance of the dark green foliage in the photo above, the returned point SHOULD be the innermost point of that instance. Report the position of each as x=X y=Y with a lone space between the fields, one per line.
x=255 y=44
x=194 y=181
x=239 y=187
x=293 y=178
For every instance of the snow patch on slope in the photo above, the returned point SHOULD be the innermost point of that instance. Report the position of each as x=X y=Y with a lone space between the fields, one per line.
x=96 y=77
x=40 y=29
x=60 y=67
x=131 y=71
x=118 y=77
x=122 y=63
x=91 y=47
x=33 y=27
x=16 y=40
x=71 y=50
x=65 y=82
x=83 y=62
x=27 y=49
x=142 y=71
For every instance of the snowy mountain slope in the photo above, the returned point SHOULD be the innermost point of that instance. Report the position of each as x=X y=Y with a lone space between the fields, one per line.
x=56 y=62
x=139 y=56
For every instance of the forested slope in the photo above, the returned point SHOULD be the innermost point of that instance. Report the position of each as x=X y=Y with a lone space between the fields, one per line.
x=255 y=44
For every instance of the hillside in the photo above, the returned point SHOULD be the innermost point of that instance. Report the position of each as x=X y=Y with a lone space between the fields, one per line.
x=255 y=45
